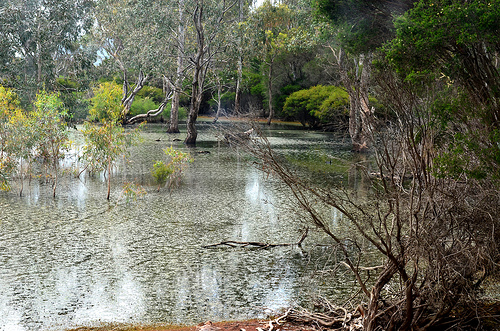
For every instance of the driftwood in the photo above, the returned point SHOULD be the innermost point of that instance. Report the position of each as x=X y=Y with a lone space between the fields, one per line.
x=331 y=316
x=255 y=244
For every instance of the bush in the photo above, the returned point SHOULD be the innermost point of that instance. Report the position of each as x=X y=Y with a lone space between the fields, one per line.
x=317 y=104
x=106 y=102
x=142 y=105
x=151 y=92
x=335 y=107
x=182 y=112
x=170 y=173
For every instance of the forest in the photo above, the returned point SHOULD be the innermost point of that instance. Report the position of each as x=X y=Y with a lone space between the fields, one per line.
x=413 y=85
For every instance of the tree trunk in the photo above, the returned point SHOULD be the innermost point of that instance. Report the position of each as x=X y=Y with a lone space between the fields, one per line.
x=198 y=75
x=370 y=318
x=109 y=179
x=357 y=89
x=237 y=97
x=128 y=98
x=219 y=100
x=270 y=93
x=239 y=78
x=173 y=126
x=174 y=110
x=55 y=177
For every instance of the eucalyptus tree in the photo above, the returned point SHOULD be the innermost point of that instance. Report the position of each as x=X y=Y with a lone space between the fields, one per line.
x=243 y=11
x=136 y=36
x=105 y=139
x=359 y=27
x=208 y=19
x=180 y=42
x=277 y=32
x=36 y=34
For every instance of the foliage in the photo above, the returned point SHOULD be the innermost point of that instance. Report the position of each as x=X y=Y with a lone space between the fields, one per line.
x=50 y=130
x=456 y=43
x=107 y=140
x=182 y=112
x=72 y=93
x=172 y=171
x=142 y=106
x=253 y=83
x=106 y=102
x=151 y=92
x=8 y=107
x=41 y=38
x=284 y=93
x=41 y=133
x=132 y=191
x=361 y=25
x=317 y=104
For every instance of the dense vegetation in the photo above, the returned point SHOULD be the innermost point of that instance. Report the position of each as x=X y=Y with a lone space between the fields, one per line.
x=415 y=83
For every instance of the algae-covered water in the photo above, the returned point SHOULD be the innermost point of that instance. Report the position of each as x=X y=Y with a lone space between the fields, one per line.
x=80 y=260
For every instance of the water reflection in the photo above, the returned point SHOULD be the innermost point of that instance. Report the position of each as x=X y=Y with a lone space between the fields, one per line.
x=80 y=260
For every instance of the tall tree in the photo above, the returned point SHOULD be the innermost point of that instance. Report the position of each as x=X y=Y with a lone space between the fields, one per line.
x=137 y=37
x=360 y=27
x=36 y=33
x=208 y=19
x=278 y=31
x=180 y=43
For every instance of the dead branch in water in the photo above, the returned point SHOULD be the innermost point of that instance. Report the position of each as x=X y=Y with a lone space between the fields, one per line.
x=261 y=245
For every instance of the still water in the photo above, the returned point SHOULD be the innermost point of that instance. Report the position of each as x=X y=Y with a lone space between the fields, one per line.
x=80 y=260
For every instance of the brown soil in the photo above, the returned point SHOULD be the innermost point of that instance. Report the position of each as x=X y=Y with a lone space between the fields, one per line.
x=250 y=325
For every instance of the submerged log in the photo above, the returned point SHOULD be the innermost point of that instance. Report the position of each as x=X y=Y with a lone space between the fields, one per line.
x=255 y=244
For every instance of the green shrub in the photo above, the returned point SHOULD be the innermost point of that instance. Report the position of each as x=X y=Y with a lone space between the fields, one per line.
x=142 y=105
x=335 y=107
x=106 y=104
x=170 y=173
x=317 y=104
x=151 y=92
x=182 y=112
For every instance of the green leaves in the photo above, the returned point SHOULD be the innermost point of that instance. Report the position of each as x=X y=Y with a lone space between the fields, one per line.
x=106 y=102
x=172 y=171
x=317 y=104
x=42 y=133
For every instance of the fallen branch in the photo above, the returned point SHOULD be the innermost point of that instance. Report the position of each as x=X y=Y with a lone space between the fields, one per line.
x=331 y=316
x=261 y=245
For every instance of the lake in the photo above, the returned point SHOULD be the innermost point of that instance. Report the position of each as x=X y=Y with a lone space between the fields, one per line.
x=79 y=260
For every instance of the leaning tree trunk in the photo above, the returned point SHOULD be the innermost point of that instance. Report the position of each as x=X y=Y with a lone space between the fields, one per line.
x=128 y=96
